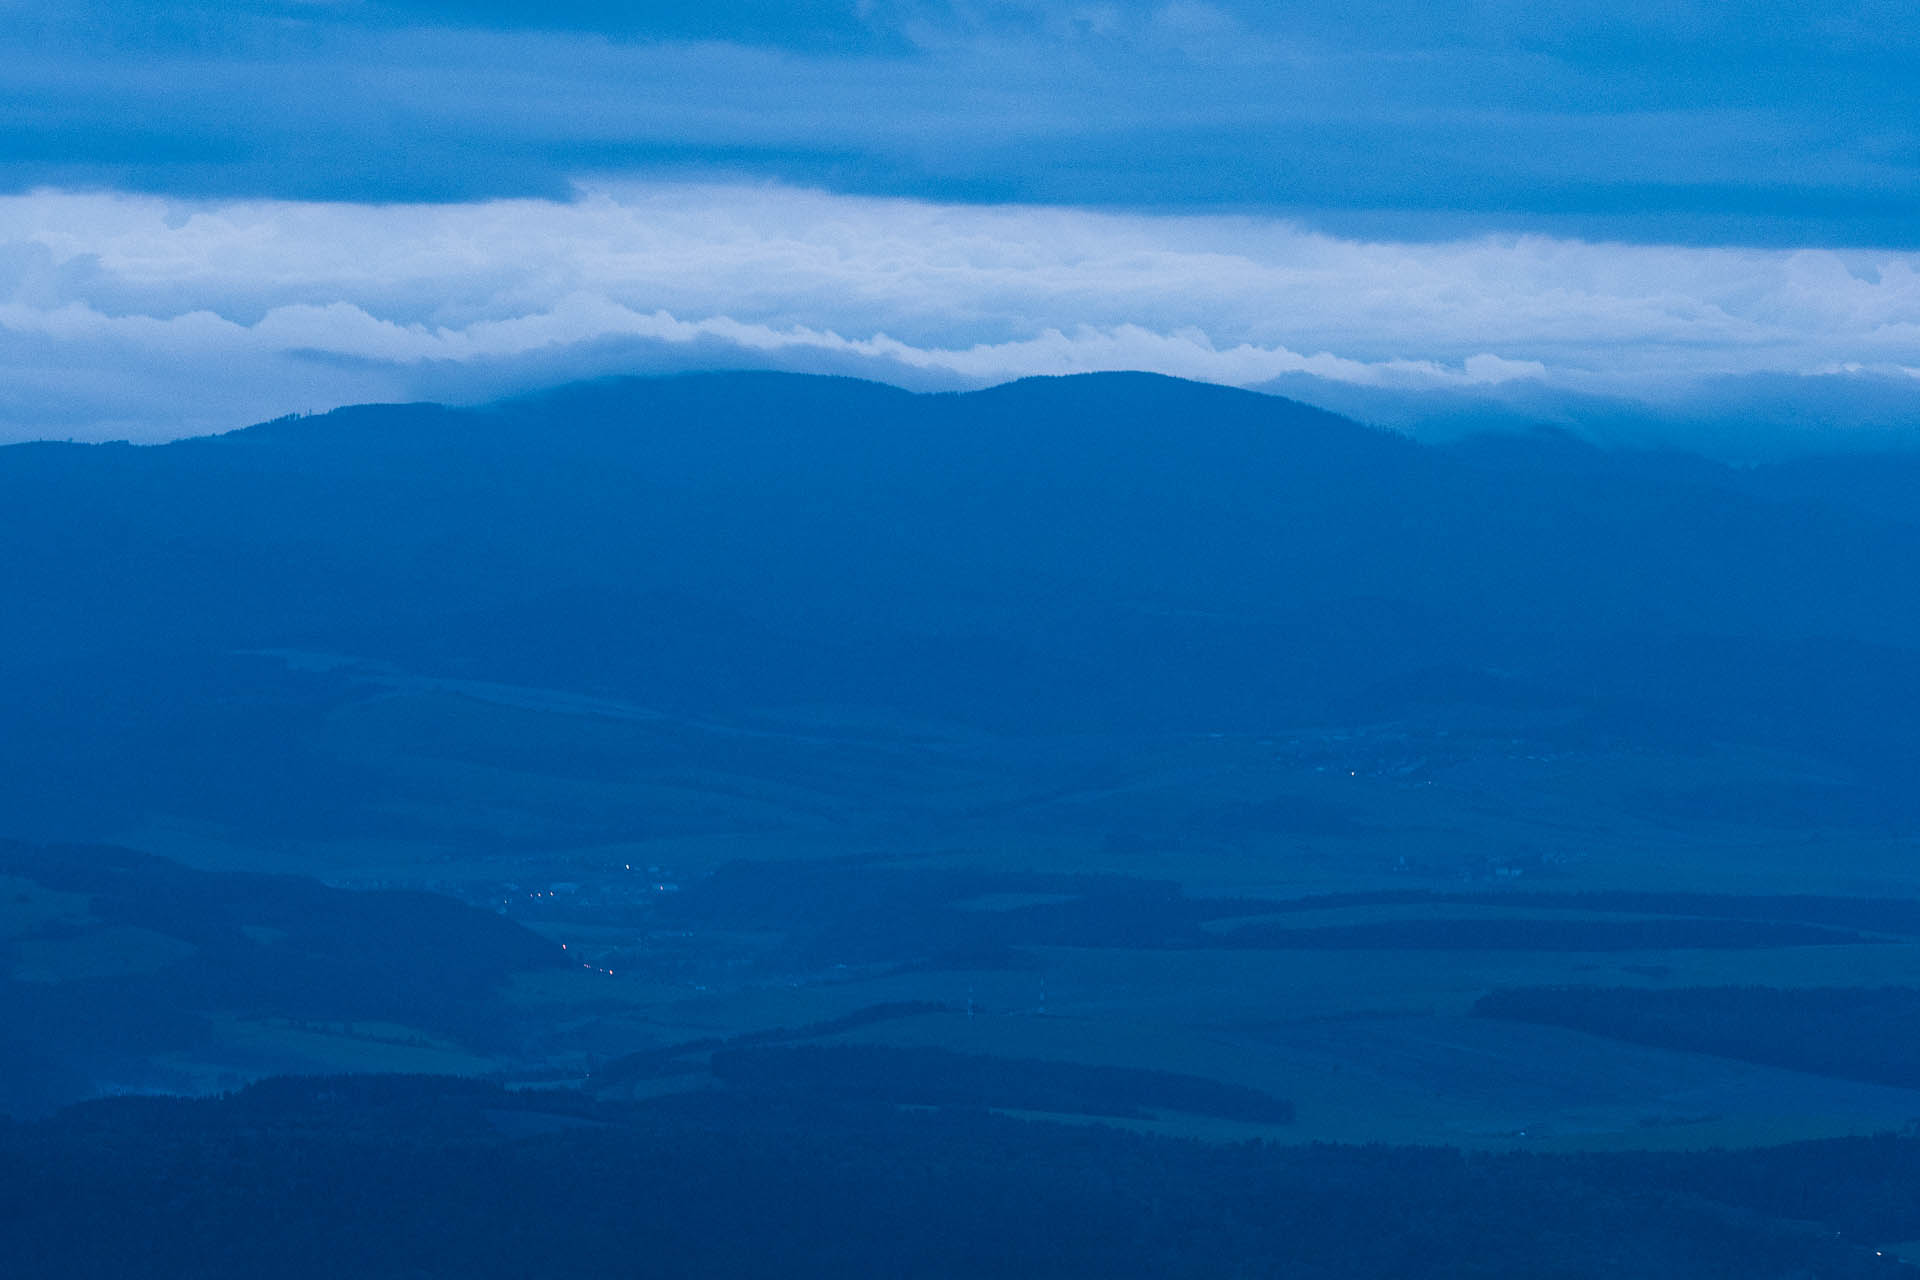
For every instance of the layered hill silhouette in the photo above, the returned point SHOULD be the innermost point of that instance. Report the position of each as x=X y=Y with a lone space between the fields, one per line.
x=115 y=966
x=1106 y=554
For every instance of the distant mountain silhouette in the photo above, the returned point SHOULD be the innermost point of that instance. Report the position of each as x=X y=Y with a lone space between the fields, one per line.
x=1109 y=553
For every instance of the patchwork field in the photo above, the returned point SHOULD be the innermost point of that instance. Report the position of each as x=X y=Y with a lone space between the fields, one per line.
x=1313 y=913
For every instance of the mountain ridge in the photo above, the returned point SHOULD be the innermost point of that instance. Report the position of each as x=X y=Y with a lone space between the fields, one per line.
x=1103 y=553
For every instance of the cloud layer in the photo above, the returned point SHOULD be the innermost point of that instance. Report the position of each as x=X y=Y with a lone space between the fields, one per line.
x=144 y=317
x=1741 y=121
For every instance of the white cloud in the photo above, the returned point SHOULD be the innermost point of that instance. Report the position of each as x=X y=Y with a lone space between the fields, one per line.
x=148 y=317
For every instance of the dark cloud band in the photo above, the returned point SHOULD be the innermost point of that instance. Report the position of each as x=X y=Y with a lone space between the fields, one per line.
x=1746 y=123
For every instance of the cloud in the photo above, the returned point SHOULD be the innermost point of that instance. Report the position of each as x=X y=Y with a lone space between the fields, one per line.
x=1755 y=121
x=145 y=317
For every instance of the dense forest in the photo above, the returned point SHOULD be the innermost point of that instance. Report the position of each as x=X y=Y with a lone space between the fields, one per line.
x=1853 y=1033
x=411 y=1177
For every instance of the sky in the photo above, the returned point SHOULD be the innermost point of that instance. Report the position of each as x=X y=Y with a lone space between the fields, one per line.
x=1687 y=216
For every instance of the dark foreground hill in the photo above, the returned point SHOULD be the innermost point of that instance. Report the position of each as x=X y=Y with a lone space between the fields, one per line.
x=1107 y=555
x=409 y=1177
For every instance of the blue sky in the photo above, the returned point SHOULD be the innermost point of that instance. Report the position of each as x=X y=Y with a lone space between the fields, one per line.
x=1604 y=199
